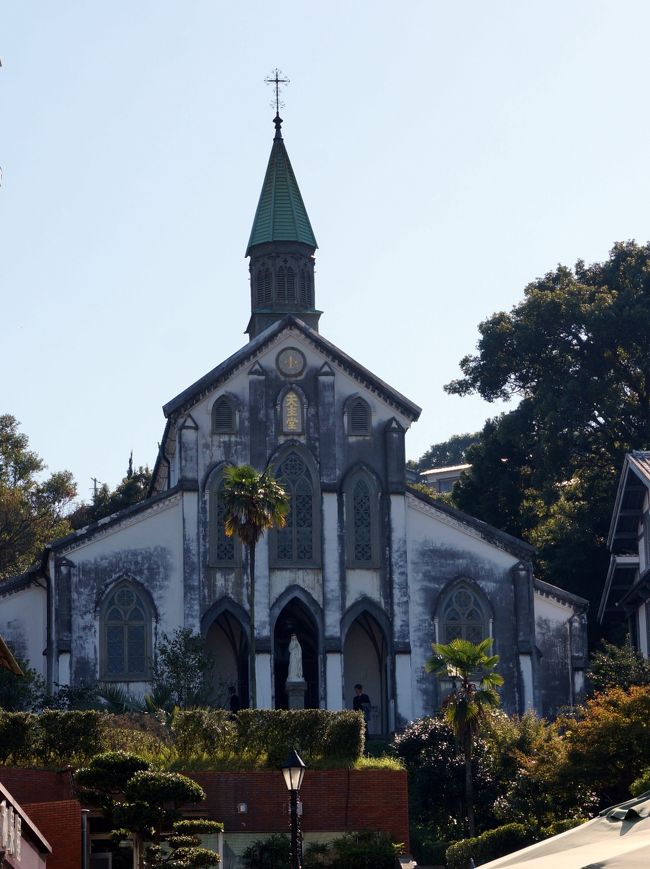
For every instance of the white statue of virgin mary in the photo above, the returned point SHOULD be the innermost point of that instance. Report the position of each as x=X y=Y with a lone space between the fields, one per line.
x=295 y=661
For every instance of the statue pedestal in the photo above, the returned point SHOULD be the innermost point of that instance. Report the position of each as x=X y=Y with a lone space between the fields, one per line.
x=296 y=693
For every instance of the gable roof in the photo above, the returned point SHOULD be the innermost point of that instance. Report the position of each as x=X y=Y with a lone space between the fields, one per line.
x=194 y=393
x=489 y=533
x=632 y=487
x=281 y=214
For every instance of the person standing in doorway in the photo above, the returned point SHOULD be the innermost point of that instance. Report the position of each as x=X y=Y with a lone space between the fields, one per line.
x=361 y=703
x=233 y=700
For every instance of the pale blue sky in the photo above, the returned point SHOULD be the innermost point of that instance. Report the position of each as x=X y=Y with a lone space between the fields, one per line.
x=448 y=153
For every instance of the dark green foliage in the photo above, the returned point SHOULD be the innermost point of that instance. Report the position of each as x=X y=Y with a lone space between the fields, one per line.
x=364 y=850
x=32 y=509
x=182 y=671
x=557 y=827
x=314 y=733
x=576 y=351
x=426 y=848
x=618 y=667
x=69 y=737
x=436 y=780
x=489 y=845
x=271 y=853
x=16 y=736
x=131 y=490
x=111 y=771
x=21 y=693
x=446 y=453
x=71 y=697
x=199 y=732
x=163 y=787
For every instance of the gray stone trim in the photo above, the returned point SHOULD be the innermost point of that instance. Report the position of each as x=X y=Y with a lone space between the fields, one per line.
x=21 y=581
x=561 y=595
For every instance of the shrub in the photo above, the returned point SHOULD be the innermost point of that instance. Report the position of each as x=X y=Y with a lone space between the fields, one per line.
x=69 y=737
x=364 y=850
x=21 y=694
x=17 y=730
x=203 y=731
x=558 y=827
x=316 y=734
x=426 y=847
x=489 y=845
x=641 y=784
x=271 y=853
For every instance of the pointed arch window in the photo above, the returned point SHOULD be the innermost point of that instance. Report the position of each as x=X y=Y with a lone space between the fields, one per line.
x=362 y=521
x=359 y=417
x=125 y=621
x=263 y=286
x=297 y=544
x=281 y=285
x=224 y=416
x=291 y=285
x=303 y=287
x=292 y=413
x=463 y=615
x=223 y=551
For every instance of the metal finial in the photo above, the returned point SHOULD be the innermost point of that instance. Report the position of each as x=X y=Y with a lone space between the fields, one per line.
x=277 y=81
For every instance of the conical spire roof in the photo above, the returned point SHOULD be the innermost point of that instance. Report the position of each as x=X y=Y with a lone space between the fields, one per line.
x=281 y=214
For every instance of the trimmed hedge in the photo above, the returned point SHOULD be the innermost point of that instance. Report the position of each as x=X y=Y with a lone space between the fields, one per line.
x=489 y=845
x=255 y=737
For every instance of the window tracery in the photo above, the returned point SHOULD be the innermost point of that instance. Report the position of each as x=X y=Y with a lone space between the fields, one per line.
x=295 y=543
x=463 y=616
x=126 y=635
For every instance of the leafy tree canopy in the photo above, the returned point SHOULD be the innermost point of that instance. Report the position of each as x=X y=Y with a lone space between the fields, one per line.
x=446 y=453
x=32 y=506
x=131 y=490
x=576 y=354
x=618 y=667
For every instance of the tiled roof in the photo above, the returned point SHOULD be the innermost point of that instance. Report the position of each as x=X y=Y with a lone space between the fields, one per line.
x=281 y=214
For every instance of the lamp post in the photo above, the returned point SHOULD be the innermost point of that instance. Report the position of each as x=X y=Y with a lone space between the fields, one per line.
x=293 y=770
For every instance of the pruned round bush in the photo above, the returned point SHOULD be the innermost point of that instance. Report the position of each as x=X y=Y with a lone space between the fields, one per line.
x=489 y=845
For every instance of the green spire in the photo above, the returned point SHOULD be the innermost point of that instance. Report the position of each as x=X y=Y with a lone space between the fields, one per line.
x=281 y=214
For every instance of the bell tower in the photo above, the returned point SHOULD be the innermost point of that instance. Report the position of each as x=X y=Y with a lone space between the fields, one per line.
x=281 y=247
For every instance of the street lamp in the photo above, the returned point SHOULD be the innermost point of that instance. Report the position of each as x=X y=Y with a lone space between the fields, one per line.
x=293 y=770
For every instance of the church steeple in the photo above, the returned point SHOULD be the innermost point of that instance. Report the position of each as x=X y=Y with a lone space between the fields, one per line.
x=281 y=247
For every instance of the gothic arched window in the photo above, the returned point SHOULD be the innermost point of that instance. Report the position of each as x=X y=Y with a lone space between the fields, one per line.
x=125 y=621
x=223 y=551
x=359 y=416
x=463 y=615
x=297 y=543
x=292 y=414
x=362 y=521
x=224 y=416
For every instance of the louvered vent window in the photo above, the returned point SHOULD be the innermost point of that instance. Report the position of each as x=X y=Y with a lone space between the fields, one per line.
x=259 y=288
x=223 y=416
x=359 y=421
x=281 y=291
x=291 y=285
x=268 y=296
x=303 y=287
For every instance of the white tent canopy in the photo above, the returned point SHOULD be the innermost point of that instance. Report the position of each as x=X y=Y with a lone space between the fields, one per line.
x=619 y=838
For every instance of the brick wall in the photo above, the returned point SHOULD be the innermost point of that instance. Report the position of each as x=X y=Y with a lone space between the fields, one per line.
x=42 y=785
x=60 y=823
x=333 y=801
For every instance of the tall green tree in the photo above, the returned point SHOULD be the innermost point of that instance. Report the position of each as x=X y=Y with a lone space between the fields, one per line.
x=32 y=506
x=446 y=453
x=474 y=679
x=131 y=490
x=575 y=354
x=254 y=503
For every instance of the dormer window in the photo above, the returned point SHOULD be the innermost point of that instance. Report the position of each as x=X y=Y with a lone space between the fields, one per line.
x=359 y=418
x=224 y=416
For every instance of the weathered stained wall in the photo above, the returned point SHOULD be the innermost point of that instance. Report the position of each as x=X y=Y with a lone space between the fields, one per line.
x=23 y=622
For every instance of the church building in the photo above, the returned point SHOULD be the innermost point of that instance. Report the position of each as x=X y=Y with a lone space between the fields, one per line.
x=367 y=572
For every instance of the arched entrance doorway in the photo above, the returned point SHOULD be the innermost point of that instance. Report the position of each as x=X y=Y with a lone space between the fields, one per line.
x=296 y=619
x=364 y=660
x=227 y=642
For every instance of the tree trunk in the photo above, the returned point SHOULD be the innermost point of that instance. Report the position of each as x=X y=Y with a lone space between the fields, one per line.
x=251 y=634
x=469 y=788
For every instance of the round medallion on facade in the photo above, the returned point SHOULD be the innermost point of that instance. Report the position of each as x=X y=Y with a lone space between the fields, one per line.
x=290 y=362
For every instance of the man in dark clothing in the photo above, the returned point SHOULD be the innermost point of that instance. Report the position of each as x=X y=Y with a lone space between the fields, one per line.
x=361 y=703
x=233 y=699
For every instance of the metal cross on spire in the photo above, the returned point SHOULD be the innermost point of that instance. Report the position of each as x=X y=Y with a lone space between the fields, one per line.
x=277 y=81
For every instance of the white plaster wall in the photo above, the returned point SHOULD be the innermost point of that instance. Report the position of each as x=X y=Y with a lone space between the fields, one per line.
x=23 y=624
x=644 y=614
x=361 y=583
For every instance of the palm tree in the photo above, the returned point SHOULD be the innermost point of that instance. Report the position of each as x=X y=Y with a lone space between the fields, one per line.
x=254 y=502
x=472 y=673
